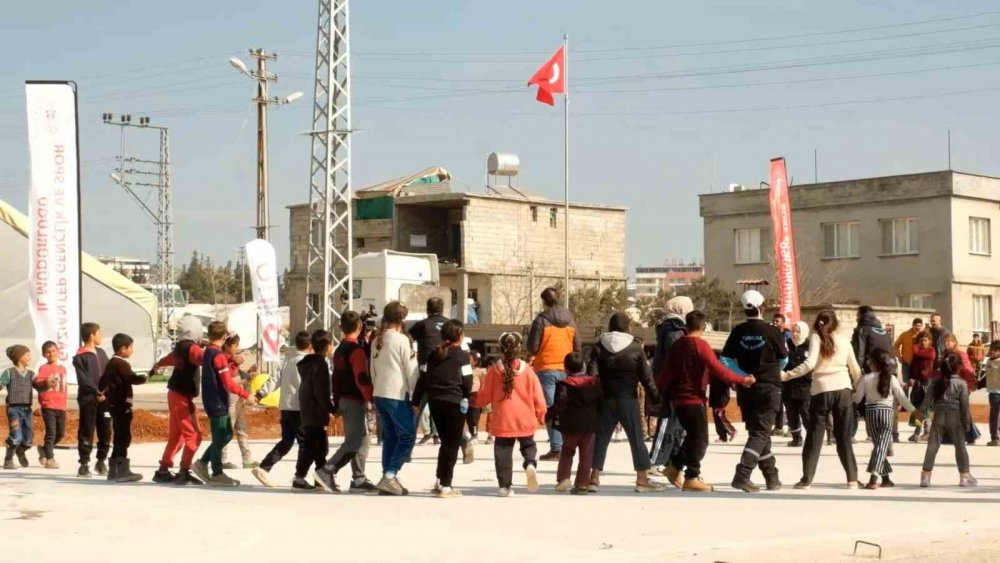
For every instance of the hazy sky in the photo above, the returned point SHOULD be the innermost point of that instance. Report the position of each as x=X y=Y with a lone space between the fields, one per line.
x=663 y=93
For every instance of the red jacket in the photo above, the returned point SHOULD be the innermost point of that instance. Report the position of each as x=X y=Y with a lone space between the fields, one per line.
x=690 y=363
x=55 y=397
x=922 y=366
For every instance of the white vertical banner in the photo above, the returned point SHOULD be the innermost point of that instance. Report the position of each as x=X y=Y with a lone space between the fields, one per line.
x=54 y=215
x=263 y=265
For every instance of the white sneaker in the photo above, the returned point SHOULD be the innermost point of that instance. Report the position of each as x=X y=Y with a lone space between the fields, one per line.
x=532 y=475
x=263 y=477
x=505 y=492
x=853 y=485
x=564 y=486
x=448 y=492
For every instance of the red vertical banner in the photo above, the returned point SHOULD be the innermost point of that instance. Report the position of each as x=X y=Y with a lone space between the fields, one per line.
x=784 y=242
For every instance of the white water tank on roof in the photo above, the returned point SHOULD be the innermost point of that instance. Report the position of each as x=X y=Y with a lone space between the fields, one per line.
x=503 y=164
x=736 y=187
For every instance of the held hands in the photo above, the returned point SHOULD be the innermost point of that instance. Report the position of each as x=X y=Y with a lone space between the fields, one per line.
x=748 y=380
x=100 y=397
x=416 y=411
x=252 y=400
x=51 y=383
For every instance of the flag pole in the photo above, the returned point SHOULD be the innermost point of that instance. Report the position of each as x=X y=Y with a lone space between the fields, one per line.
x=566 y=171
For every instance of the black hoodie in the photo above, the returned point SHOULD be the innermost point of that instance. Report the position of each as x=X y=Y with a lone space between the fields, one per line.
x=89 y=368
x=869 y=336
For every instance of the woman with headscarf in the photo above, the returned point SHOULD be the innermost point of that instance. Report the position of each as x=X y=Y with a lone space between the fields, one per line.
x=795 y=393
x=620 y=364
x=668 y=435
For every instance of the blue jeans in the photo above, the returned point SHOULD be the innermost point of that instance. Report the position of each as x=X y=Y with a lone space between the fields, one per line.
x=549 y=379
x=19 y=423
x=399 y=432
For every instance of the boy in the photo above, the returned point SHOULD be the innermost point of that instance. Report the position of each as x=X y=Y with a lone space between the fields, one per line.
x=51 y=386
x=288 y=381
x=690 y=364
x=116 y=386
x=993 y=388
x=89 y=364
x=575 y=412
x=352 y=392
x=315 y=408
x=182 y=389
x=18 y=380
x=216 y=385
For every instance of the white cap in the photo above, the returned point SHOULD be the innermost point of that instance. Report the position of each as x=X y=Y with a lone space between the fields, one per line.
x=752 y=299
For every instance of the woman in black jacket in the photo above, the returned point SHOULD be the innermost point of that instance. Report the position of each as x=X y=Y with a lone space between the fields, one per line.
x=620 y=363
x=795 y=393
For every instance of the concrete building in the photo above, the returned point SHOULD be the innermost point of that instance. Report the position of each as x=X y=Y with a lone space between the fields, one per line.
x=500 y=247
x=917 y=240
x=135 y=269
x=673 y=276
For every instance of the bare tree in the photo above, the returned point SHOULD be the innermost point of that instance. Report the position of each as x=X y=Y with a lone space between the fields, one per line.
x=515 y=293
x=819 y=280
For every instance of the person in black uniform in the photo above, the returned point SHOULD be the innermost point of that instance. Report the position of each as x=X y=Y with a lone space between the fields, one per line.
x=759 y=349
x=427 y=335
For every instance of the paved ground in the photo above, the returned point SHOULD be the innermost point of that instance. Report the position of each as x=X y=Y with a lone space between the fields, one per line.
x=58 y=517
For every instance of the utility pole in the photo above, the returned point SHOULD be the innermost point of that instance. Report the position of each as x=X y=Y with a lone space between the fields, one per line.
x=330 y=275
x=153 y=174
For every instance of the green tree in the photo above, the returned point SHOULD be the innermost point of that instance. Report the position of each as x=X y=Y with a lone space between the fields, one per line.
x=718 y=304
x=196 y=280
x=593 y=307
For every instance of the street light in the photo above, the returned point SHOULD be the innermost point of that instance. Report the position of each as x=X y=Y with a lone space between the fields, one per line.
x=239 y=65
x=292 y=97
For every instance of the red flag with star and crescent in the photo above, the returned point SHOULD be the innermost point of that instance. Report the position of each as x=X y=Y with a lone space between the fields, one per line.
x=550 y=78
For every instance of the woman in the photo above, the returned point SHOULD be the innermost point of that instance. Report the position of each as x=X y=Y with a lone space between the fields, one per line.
x=796 y=393
x=394 y=376
x=834 y=370
x=619 y=362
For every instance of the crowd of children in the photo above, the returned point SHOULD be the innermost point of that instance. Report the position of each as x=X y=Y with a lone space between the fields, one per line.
x=386 y=373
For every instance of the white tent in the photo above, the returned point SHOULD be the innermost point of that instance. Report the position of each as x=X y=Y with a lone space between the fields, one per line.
x=109 y=299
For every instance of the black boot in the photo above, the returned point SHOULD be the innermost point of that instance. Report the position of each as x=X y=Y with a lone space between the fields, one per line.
x=100 y=467
x=124 y=473
x=111 y=470
x=22 y=458
x=163 y=476
x=772 y=482
x=84 y=470
x=8 y=458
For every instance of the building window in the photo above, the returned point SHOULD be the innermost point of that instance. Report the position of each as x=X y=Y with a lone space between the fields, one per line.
x=552 y=217
x=749 y=246
x=840 y=240
x=915 y=300
x=534 y=213
x=979 y=236
x=359 y=243
x=900 y=236
x=982 y=312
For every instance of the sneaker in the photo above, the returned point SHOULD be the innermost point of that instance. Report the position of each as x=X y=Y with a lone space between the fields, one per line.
x=41 y=455
x=580 y=491
x=795 y=443
x=564 y=486
x=657 y=470
x=229 y=465
x=262 y=475
x=101 y=468
x=777 y=432
x=364 y=488
x=696 y=485
x=872 y=483
x=505 y=492
x=887 y=482
x=674 y=476
x=532 y=474
x=448 y=492
x=553 y=455
x=594 y=488
x=301 y=484
x=436 y=440
x=830 y=442
x=915 y=436
x=387 y=486
x=163 y=476
x=650 y=487
x=250 y=464
x=50 y=463
x=326 y=481
x=968 y=480
x=437 y=487
x=489 y=440
x=184 y=477
x=925 y=479
x=424 y=439
x=993 y=443
x=925 y=437
x=222 y=480
x=853 y=485
x=200 y=470
x=468 y=452
x=745 y=485
x=84 y=470
x=802 y=485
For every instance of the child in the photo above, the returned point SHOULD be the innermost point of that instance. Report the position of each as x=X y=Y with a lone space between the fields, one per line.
x=718 y=400
x=216 y=385
x=795 y=394
x=513 y=390
x=238 y=406
x=352 y=392
x=182 y=389
x=315 y=408
x=993 y=388
x=89 y=364
x=689 y=366
x=977 y=352
x=288 y=381
x=575 y=409
x=877 y=390
x=116 y=385
x=447 y=384
x=921 y=374
x=18 y=380
x=51 y=386
x=475 y=413
x=949 y=397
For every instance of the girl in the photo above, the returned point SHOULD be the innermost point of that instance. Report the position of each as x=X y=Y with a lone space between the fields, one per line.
x=447 y=384
x=921 y=374
x=472 y=417
x=949 y=397
x=515 y=393
x=18 y=380
x=834 y=371
x=237 y=405
x=795 y=394
x=977 y=353
x=877 y=390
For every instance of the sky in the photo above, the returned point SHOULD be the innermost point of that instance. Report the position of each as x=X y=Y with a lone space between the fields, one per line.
x=668 y=100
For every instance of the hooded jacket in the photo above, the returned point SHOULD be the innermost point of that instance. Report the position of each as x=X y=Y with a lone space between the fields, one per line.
x=315 y=395
x=669 y=331
x=922 y=366
x=287 y=380
x=553 y=335
x=520 y=414
x=869 y=336
x=89 y=368
x=577 y=405
x=798 y=389
x=618 y=360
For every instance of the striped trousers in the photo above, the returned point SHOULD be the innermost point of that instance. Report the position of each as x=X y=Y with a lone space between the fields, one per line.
x=879 y=419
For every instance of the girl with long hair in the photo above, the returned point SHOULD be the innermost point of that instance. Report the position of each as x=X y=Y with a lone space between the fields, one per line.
x=877 y=389
x=834 y=370
x=515 y=393
x=948 y=396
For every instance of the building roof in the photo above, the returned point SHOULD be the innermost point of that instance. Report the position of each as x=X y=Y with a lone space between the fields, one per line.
x=393 y=188
x=456 y=197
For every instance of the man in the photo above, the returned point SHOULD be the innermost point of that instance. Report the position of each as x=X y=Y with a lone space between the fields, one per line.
x=757 y=348
x=552 y=336
x=868 y=337
x=779 y=322
x=427 y=335
x=903 y=346
x=669 y=433
x=938 y=333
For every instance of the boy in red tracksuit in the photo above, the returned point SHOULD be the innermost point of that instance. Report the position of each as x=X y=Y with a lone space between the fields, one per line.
x=51 y=385
x=690 y=364
x=575 y=413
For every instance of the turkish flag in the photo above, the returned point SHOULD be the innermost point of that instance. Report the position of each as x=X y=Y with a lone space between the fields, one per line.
x=550 y=78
